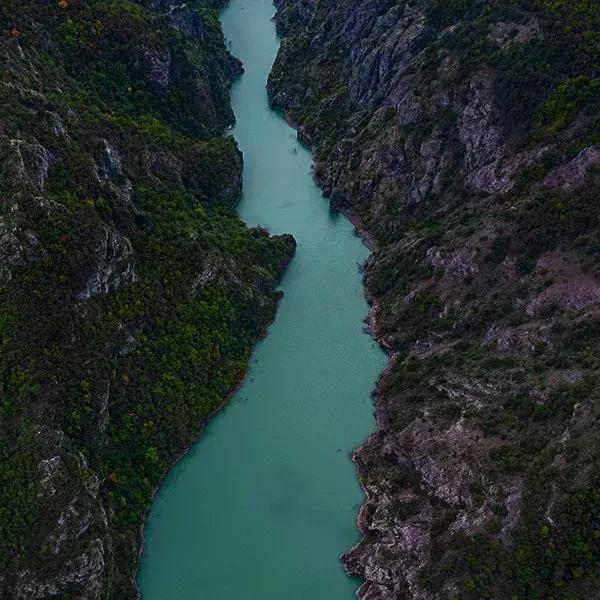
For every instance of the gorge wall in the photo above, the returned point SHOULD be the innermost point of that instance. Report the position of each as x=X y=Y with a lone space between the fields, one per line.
x=463 y=139
x=130 y=292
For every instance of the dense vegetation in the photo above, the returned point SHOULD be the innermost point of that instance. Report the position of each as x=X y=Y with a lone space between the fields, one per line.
x=463 y=137
x=131 y=293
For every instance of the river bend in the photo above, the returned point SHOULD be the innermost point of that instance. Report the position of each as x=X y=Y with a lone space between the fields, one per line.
x=264 y=504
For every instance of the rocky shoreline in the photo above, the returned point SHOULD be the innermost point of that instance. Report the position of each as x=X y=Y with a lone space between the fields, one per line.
x=352 y=559
x=428 y=137
x=351 y=563
x=349 y=560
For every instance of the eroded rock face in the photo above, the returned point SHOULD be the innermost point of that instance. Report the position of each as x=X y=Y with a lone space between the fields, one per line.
x=77 y=529
x=187 y=21
x=24 y=169
x=217 y=271
x=572 y=175
x=478 y=123
x=30 y=162
x=114 y=265
x=438 y=467
x=109 y=164
x=505 y=34
x=17 y=247
x=157 y=65
x=382 y=49
x=84 y=571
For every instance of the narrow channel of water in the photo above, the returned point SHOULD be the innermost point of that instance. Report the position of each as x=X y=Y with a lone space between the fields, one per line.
x=265 y=503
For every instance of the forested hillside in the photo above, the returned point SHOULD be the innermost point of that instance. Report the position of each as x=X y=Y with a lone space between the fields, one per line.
x=130 y=292
x=463 y=139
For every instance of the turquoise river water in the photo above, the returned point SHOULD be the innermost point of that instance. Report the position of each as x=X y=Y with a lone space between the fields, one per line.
x=264 y=504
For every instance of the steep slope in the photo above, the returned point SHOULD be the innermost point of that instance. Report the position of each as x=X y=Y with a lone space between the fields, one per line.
x=130 y=292
x=463 y=139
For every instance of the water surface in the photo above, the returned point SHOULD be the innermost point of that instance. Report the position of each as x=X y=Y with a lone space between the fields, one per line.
x=265 y=503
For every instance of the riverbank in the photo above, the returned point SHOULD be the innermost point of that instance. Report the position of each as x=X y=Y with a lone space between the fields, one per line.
x=217 y=410
x=381 y=417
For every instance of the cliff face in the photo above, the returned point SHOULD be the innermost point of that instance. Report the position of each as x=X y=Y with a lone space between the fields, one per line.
x=463 y=138
x=130 y=292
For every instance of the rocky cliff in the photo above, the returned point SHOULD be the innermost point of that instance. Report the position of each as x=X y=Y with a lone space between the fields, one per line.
x=463 y=139
x=130 y=292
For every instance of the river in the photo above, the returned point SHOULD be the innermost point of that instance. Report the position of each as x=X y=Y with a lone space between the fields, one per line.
x=266 y=501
